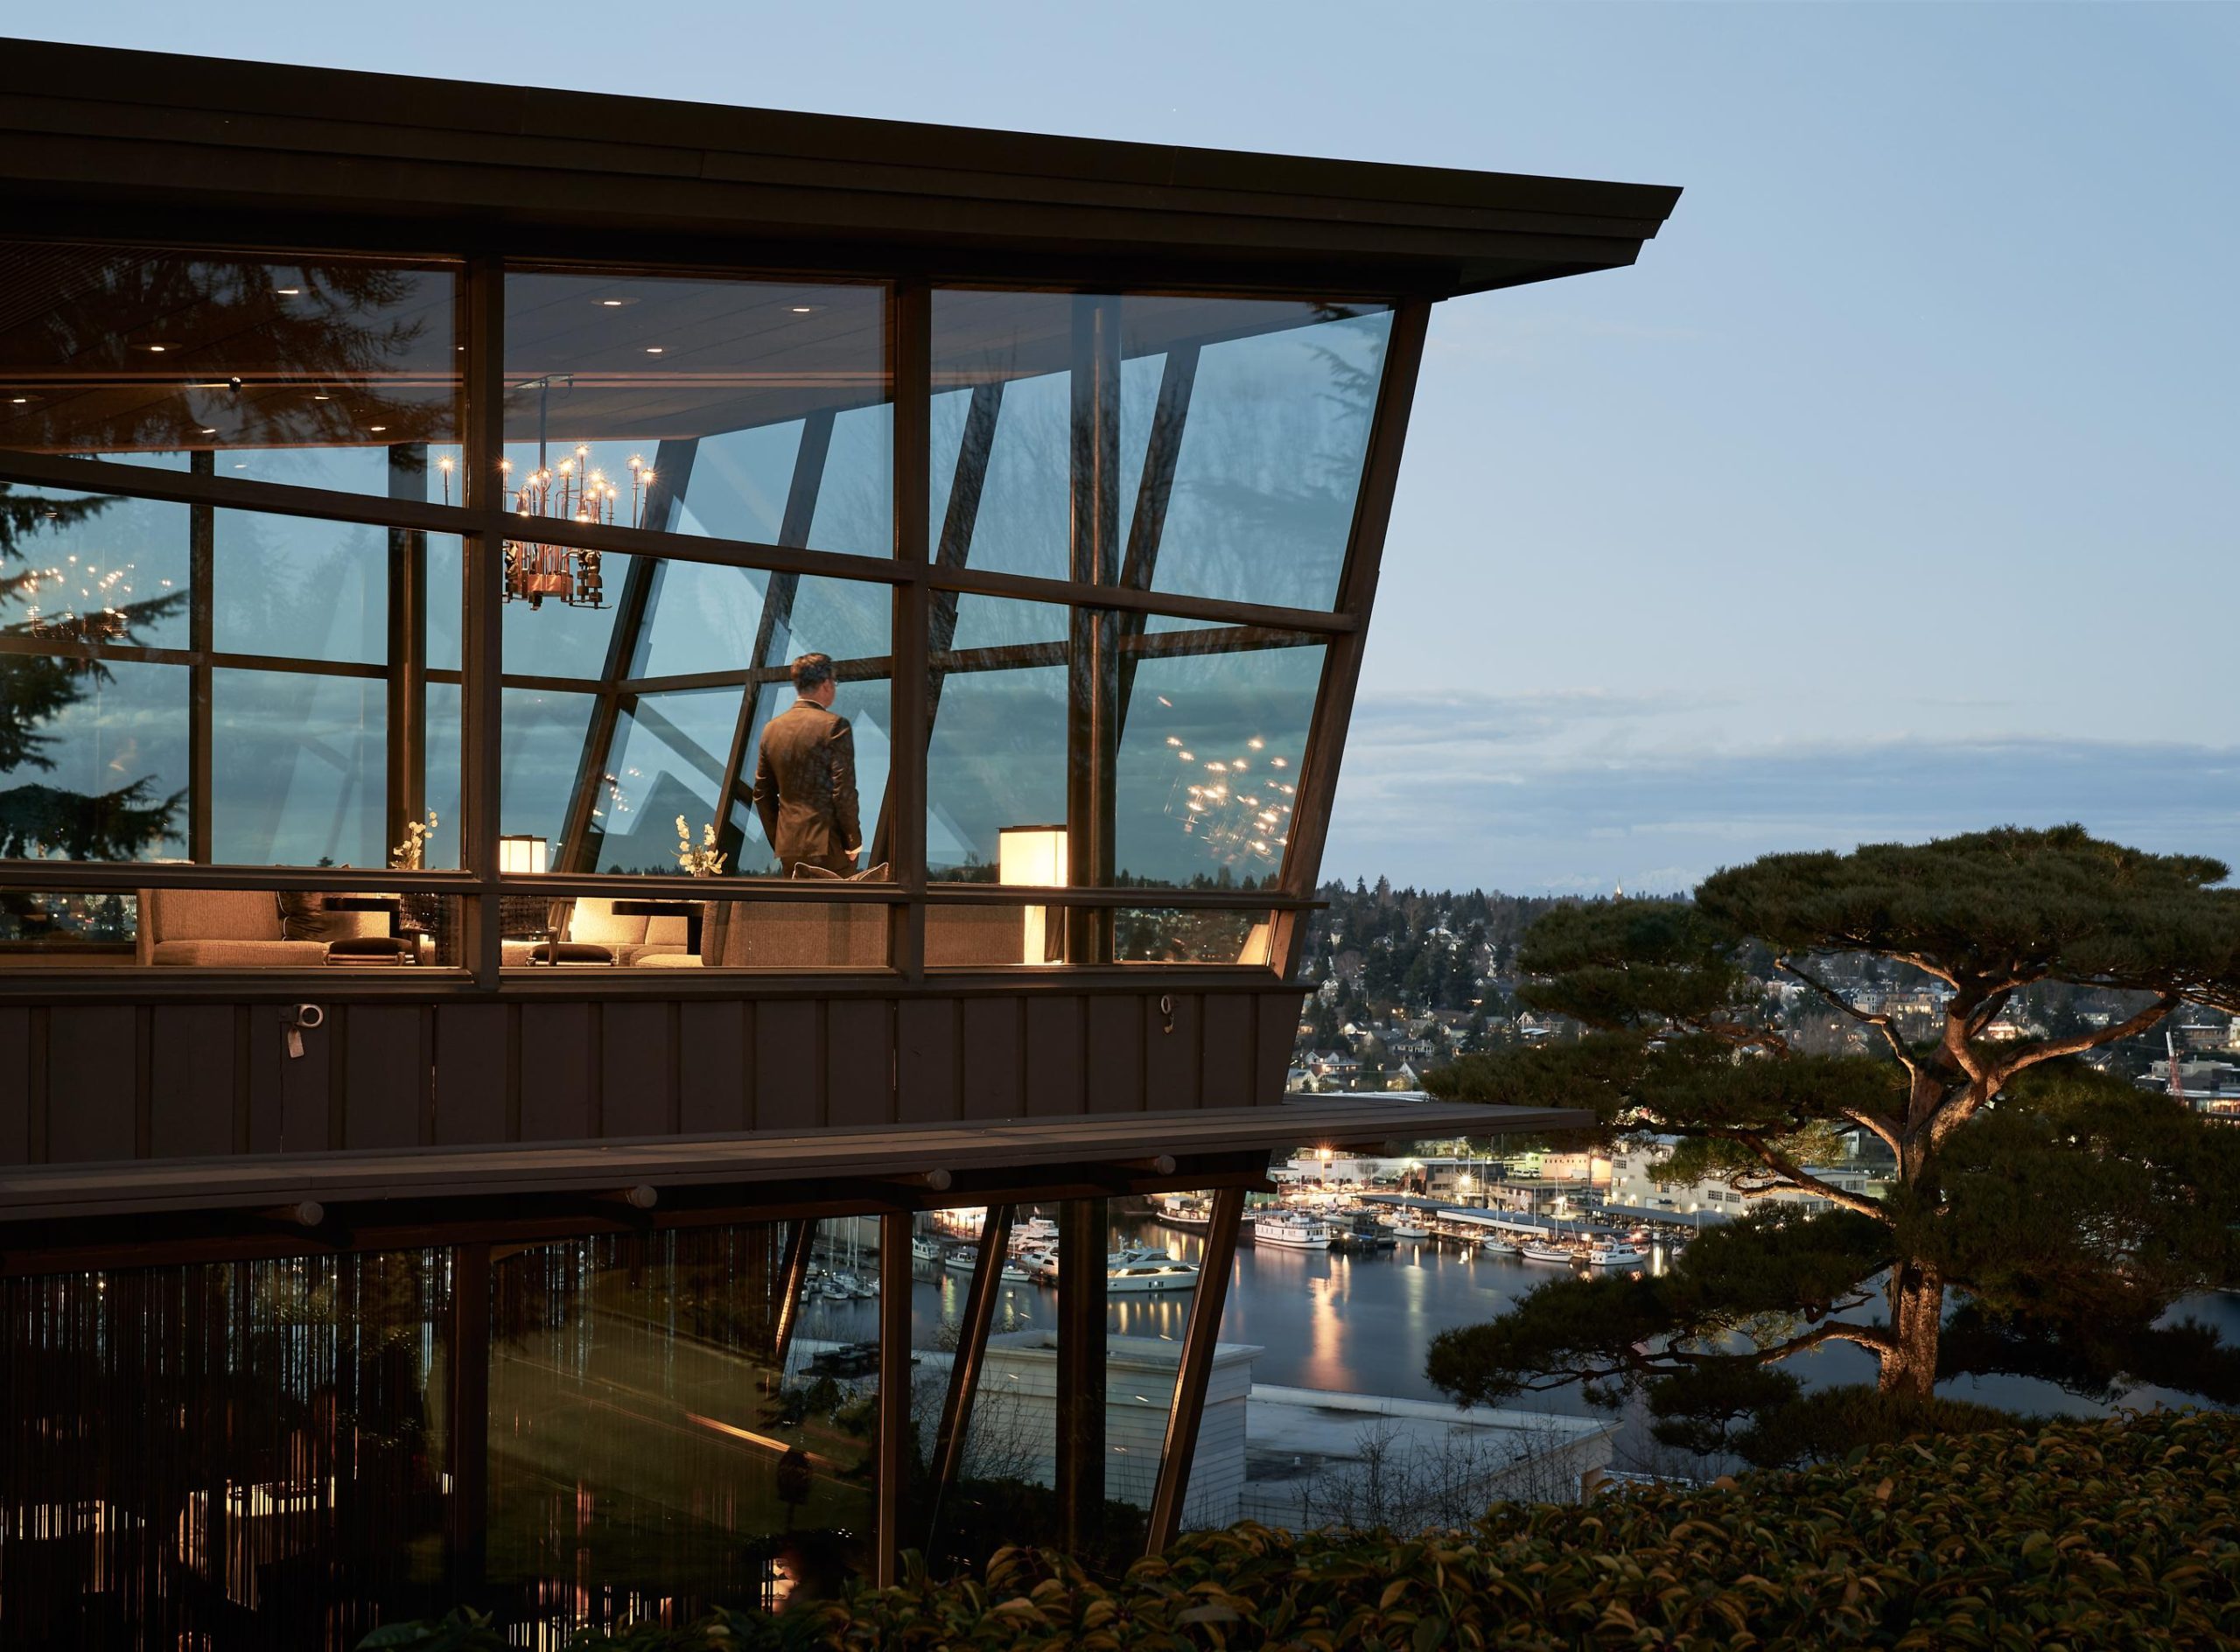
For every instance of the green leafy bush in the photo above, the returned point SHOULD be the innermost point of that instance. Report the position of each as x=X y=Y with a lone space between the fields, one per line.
x=2073 y=1534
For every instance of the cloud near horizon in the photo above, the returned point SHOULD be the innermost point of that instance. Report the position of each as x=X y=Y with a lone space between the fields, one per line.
x=1559 y=792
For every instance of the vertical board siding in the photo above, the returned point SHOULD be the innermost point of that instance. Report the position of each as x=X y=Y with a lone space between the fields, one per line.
x=714 y=1081
x=993 y=1061
x=191 y=1081
x=1116 y=1054
x=93 y=1069
x=638 y=1070
x=1229 y=1032
x=15 y=1086
x=470 y=1074
x=788 y=1080
x=1279 y=1035
x=926 y=1063
x=385 y=1065
x=287 y=1094
x=859 y=1061
x=1171 y=1078
x=1057 y=1069
x=558 y=1083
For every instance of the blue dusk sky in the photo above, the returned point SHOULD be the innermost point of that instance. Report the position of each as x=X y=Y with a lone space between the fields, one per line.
x=1895 y=492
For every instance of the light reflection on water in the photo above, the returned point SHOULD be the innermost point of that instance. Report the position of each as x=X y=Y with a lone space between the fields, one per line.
x=1364 y=1324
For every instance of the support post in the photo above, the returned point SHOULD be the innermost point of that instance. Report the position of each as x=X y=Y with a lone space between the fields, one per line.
x=795 y=1282
x=971 y=1356
x=201 y=627
x=1081 y=1236
x=408 y=647
x=1092 y=735
x=482 y=638
x=892 y=1462
x=1200 y=1338
x=468 y=1522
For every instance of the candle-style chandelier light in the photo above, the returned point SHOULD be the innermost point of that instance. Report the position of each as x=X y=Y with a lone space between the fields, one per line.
x=572 y=490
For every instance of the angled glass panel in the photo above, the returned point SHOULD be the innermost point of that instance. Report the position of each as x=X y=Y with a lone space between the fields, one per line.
x=1191 y=934
x=1215 y=727
x=1267 y=462
x=1003 y=368
x=668 y=764
x=297 y=371
x=702 y=617
x=303 y=780
x=747 y=400
x=996 y=761
x=306 y=589
x=93 y=568
x=556 y=640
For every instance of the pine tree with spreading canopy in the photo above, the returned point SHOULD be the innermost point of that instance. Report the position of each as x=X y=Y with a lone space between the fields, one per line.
x=2054 y=1211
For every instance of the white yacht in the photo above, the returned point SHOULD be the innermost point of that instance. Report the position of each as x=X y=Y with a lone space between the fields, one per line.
x=925 y=1249
x=1036 y=1233
x=1040 y=1263
x=1180 y=1210
x=1406 y=1229
x=1546 y=1250
x=1494 y=1243
x=1292 y=1229
x=1616 y=1253
x=1157 y=1273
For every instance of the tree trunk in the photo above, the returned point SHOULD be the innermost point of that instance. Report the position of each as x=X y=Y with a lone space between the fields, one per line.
x=1916 y=1317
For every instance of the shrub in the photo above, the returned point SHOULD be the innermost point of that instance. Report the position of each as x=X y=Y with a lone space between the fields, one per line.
x=2076 y=1534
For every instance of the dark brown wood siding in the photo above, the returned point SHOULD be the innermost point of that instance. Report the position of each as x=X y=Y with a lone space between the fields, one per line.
x=86 y=1082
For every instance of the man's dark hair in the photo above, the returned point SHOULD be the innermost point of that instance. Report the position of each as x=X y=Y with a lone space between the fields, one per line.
x=810 y=671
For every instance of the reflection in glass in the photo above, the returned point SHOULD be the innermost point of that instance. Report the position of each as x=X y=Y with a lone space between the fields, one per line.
x=310 y=589
x=1270 y=458
x=1185 y=935
x=1210 y=759
x=700 y=617
x=1242 y=429
x=996 y=755
x=761 y=407
x=668 y=757
x=186 y=1451
x=302 y=372
x=661 y=1440
x=304 y=783
x=541 y=753
x=93 y=758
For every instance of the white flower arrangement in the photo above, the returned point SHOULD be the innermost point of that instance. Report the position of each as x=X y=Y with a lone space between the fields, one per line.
x=408 y=855
x=703 y=860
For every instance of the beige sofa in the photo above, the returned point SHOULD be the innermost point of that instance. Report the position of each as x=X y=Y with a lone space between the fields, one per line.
x=232 y=930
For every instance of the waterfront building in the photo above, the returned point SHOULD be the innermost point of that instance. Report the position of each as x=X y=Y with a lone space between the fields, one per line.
x=426 y=1111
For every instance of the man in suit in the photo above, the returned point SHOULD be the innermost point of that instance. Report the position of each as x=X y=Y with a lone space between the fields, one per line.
x=805 y=777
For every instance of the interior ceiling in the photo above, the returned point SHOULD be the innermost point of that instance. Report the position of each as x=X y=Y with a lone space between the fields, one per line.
x=116 y=352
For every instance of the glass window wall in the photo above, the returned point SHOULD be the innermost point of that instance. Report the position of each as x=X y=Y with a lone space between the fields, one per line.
x=268 y=369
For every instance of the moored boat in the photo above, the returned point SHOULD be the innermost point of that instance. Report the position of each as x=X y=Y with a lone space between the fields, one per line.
x=1291 y=1229
x=1542 y=1251
x=1618 y=1254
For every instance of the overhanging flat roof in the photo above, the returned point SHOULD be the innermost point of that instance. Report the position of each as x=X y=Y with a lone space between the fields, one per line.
x=258 y=150
x=750 y=1161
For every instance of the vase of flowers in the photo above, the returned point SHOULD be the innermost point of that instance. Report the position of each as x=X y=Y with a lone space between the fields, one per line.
x=703 y=859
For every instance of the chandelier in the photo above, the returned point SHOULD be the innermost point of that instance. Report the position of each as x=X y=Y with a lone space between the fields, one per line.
x=572 y=491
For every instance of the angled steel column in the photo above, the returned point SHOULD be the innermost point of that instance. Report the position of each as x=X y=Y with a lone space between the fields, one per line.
x=898 y=837
x=794 y=1280
x=1200 y=1338
x=774 y=628
x=1162 y=454
x=1081 y=1236
x=482 y=635
x=971 y=1355
x=891 y=1460
x=1342 y=668
x=626 y=646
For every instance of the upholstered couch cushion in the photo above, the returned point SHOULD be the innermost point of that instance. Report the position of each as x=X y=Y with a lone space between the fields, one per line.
x=240 y=955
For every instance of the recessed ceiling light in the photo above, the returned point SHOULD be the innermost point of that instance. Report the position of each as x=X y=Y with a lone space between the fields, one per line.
x=19 y=400
x=159 y=348
x=209 y=429
x=612 y=304
x=804 y=308
x=653 y=349
x=322 y=398
x=377 y=429
x=288 y=292
x=242 y=465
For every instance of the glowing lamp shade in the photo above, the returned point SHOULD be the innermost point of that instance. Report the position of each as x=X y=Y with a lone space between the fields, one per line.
x=1034 y=857
x=522 y=853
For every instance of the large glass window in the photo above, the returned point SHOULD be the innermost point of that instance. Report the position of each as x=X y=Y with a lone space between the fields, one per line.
x=760 y=410
x=1238 y=429
x=996 y=763
x=1207 y=772
x=283 y=370
x=134 y=634
x=667 y=1430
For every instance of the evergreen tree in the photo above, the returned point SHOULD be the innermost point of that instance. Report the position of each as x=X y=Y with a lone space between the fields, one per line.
x=36 y=689
x=2066 y=1208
